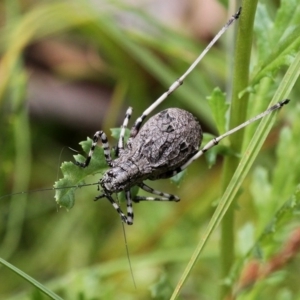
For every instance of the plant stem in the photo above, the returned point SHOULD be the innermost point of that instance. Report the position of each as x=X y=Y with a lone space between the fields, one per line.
x=237 y=116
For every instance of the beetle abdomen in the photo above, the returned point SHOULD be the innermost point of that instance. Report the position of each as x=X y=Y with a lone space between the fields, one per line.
x=166 y=141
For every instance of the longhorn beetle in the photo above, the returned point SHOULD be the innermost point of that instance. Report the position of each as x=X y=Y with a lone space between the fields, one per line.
x=166 y=144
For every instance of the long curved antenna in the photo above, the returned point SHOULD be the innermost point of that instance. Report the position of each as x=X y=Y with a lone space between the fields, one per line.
x=49 y=189
x=127 y=253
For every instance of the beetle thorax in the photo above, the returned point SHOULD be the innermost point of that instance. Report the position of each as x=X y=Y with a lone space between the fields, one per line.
x=118 y=179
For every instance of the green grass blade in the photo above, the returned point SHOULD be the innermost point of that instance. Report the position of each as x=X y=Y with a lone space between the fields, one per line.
x=31 y=280
x=246 y=162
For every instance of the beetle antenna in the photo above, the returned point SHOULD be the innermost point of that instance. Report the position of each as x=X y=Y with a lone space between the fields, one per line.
x=49 y=189
x=127 y=253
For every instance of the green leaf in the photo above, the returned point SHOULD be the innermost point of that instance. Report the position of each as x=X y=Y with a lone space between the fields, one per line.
x=282 y=55
x=74 y=175
x=262 y=27
x=115 y=133
x=287 y=16
x=277 y=42
x=219 y=107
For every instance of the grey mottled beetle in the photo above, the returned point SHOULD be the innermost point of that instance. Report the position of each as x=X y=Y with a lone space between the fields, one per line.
x=167 y=143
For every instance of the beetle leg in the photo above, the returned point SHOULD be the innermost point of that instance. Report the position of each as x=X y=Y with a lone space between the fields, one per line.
x=164 y=196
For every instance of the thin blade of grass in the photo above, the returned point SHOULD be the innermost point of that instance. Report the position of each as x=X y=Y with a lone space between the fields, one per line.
x=251 y=152
x=31 y=280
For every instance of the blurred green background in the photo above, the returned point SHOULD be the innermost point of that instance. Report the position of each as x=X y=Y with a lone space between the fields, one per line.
x=70 y=68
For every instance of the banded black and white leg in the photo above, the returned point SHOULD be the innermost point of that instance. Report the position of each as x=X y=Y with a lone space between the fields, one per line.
x=130 y=215
x=102 y=136
x=138 y=123
x=163 y=196
x=216 y=140
x=120 y=146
